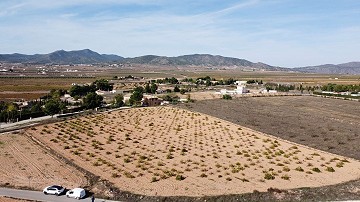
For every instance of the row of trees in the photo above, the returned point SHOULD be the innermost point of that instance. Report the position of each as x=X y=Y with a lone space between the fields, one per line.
x=279 y=87
x=341 y=88
x=80 y=91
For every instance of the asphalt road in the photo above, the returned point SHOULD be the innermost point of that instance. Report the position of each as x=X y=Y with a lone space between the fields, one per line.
x=39 y=196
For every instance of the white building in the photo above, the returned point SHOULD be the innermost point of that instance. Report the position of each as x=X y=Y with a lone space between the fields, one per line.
x=240 y=89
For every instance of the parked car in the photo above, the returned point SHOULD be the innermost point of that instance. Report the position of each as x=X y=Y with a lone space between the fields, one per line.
x=54 y=189
x=77 y=193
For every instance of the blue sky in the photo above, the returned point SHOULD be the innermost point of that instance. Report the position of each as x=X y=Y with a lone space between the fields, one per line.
x=286 y=33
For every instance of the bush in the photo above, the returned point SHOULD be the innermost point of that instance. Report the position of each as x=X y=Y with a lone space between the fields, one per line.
x=330 y=169
x=269 y=176
x=154 y=179
x=300 y=169
x=180 y=177
x=203 y=175
x=226 y=97
x=285 y=177
x=316 y=170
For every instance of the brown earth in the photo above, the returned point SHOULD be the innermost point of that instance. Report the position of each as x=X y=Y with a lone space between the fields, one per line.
x=323 y=123
x=167 y=151
x=25 y=164
x=6 y=199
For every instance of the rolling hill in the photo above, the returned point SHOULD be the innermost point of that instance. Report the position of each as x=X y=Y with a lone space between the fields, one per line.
x=87 y=56
x=345 y=68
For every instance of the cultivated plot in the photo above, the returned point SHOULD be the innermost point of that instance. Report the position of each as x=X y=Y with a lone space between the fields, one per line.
x=171 y=151
x=25 y=164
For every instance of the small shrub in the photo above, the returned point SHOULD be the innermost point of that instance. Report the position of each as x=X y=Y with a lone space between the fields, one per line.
x=203 y=175
x=226 y=97
x=330 y=169
x=129 y=175
x=300 y=169
x=115 y=175
x=285 y=177
x=340 y=164
x=269 y=176
x=180 y=177
x=316 y=170
x=286 y=169
x=154 y=179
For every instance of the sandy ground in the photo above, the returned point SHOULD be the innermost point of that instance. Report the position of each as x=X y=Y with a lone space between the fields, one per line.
x=24 y=164
x=5 y=199
x=169 y=151
x=327 y=124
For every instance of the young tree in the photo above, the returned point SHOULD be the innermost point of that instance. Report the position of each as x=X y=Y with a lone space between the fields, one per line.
x=118 y=100
x=147 y=88
x=153 y=88
x=136 y=96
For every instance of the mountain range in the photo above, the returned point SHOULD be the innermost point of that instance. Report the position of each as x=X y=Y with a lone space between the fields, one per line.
x=345 y=68
x=87 y=56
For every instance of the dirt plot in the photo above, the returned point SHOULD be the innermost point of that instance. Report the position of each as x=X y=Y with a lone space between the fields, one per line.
x=25 y=164
x=6 y=199
x=326 y=124
x=167 y=151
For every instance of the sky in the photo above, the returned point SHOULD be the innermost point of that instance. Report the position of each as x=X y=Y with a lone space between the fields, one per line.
x=286 y=33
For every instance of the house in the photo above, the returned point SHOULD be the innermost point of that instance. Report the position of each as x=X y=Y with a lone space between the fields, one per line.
x=150 y=100
x=240 y=89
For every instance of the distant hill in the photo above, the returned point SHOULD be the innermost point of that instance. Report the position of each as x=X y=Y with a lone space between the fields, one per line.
x=89 y=57
x=201 y=60
x=85 y=56
x=345 y=68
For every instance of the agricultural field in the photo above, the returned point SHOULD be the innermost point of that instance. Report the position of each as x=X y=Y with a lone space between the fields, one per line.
x=327 y=124
x=167 y=151
x=25 y=164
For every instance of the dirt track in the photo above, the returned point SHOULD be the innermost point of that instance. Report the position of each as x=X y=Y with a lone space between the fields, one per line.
x=322 y=123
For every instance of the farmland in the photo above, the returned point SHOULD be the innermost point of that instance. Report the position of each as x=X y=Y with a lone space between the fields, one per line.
x=168 y=151
x=25 y=164
x=327 y=124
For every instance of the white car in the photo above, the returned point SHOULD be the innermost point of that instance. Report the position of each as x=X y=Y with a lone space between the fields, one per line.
x=77 y=193
x=54 y=189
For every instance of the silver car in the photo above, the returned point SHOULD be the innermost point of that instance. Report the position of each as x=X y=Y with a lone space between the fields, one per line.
x=54 y=189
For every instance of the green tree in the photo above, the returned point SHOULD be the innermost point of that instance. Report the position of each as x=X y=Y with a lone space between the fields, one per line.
x=36 y=108
x=153 y=88
x=118 y=101
x=136 y=96
x=176 y=89
x=103 y=84
x=92 y=100
x=51 y=107
x=147 y=88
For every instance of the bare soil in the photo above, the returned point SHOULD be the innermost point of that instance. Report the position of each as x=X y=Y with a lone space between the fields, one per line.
x=167 y=151
x=24 y=164
x=323 y=123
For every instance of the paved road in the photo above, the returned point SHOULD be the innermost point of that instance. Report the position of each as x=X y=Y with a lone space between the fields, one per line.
x=39 y=196
x=24 y=122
